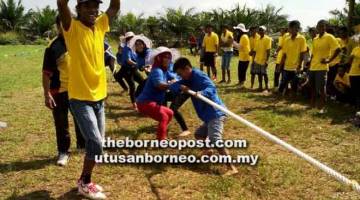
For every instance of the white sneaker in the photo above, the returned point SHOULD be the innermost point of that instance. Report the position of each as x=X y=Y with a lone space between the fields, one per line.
x=358 y=114
x=322 y=111
x=98 y=187
x=91 y=191
x=63 y=159
x=185 y=133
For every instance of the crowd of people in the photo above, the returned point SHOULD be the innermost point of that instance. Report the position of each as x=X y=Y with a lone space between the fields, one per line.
x=74 y=76
x=323 y=67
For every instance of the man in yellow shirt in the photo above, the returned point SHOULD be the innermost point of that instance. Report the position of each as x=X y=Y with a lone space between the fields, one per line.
x=279 y=55
x=84 y=38
x=261 y=58
x=354 y=74
x=294 y=48
x=226 y=43
x=323 y=45
x=244 y=49
x=211 y=49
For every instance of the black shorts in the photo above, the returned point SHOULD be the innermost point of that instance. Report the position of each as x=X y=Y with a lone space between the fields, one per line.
x=209 y=59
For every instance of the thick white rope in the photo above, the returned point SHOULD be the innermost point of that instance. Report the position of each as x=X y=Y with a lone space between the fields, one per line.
x=355 y=185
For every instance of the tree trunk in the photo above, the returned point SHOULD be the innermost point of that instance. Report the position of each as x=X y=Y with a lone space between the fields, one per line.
x=351 y=14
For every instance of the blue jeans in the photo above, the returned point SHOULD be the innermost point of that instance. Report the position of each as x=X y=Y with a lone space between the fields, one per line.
x=90 y=117
x=226 y=60
x=212 y=129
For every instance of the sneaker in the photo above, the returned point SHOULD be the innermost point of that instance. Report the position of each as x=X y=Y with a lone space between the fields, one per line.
x=185 y=133
x=222 y=81
x=63 y=159
x=98 y=187
x=90 y=191
x=357 y=114
x=322 y=111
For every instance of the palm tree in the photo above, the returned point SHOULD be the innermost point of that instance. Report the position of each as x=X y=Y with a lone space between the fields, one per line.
x=41 y=21
x=11 y=15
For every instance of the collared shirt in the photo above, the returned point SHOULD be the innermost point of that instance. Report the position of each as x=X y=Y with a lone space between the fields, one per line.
x=244 y=48
x=211 y=42
x=87 y=74
x=261 y=48
x=321 y=49
x=293 y=48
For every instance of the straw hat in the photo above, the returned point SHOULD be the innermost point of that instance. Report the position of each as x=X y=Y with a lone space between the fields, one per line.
x=175 y=54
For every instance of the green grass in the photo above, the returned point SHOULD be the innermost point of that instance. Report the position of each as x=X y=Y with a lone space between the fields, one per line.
x=27 y=169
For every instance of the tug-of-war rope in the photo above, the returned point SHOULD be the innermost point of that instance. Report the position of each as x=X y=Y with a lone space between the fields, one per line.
x=355 y=185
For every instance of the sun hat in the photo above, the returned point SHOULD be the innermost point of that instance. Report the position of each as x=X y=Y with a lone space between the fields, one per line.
x=175 y=54
x=263 y=28
x=146 y=40
x=241 y=27
x=129 y=34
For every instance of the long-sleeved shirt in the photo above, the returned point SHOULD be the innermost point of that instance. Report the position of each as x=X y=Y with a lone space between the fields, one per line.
x=200 y=82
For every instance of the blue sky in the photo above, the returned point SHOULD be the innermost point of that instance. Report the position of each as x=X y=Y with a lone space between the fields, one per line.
x=308 y=12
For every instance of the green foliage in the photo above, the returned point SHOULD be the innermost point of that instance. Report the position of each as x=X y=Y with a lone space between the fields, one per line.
x=41 y=21
x=10 y=38
x=12 y=15
x=339 y=17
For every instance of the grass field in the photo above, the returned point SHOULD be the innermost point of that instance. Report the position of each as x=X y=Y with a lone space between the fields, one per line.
x=28 y=149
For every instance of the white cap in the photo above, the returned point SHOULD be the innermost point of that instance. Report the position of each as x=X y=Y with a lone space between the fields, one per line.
x=175 y=54
x=146 y=40
x=263 y=28
x=241 y=27
x=129 y=34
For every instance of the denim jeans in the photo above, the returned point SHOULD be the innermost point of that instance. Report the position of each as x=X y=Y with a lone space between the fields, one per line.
x=213 y=129
x=226 y=60
x=90 y=117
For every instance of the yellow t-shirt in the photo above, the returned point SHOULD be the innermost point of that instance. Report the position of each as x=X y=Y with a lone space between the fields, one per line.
x=321 y=49
x=225 y=38
x=280 y=53
x=210 y=42
x=337 y=60
x=253 y=41
x=244 y=49
x=261 y=48
x=355 y=65
x=293 y=48
x=87 y=75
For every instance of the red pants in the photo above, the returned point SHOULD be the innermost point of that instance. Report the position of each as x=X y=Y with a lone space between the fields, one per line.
x=159 y=113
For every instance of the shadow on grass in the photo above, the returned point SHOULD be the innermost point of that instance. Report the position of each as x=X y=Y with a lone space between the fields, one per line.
x=25 y=165
x=112 y=115
x=36 y=195
x=72 y=194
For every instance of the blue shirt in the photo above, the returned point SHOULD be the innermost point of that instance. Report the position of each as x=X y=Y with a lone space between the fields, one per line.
x=151 y=93
x=142 y=61
x=127 y=54
x=200 y=82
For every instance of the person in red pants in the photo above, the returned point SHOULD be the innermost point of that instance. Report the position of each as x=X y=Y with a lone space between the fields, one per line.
x=150 y=100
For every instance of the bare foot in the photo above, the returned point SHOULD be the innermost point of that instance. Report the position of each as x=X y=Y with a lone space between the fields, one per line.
x=135 y=107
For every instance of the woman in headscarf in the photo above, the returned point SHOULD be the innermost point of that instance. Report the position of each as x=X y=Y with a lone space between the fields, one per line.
x=151 y=98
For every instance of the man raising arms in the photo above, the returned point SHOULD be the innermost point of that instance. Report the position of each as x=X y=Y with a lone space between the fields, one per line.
x=84 y=38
